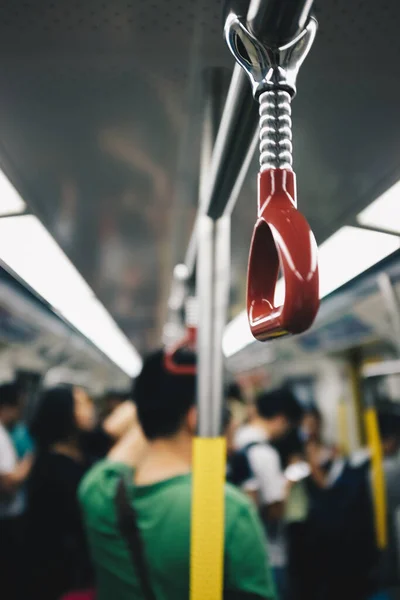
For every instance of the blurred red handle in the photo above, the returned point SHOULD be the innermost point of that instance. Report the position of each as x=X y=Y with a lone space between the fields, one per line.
x=282 y=240
x=189 y=341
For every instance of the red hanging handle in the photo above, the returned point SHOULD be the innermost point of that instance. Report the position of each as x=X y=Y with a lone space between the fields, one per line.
x=282 y=239
x=189 y=341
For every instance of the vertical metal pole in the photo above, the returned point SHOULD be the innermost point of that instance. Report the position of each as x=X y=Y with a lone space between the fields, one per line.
x=212 y=276
x=209 y=452
x=222 y=262
x=213 y=294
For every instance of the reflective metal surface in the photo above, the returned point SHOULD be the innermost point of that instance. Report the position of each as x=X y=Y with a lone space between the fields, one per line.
x=212 y=286
x=275 y=130
x=275 y=22
x=271 y=21
x=268 y=68
x=212 y=282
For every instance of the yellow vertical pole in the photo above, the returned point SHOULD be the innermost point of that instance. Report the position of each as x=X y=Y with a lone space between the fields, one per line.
x=207 y=531
x=354 y=372
x=378 y=476
x=343 y=426
x=368 y=432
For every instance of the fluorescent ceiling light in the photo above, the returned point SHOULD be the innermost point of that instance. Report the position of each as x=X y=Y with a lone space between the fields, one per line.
x=347 y=253
x=384 y=212
x=237 y=335
x=30 y=251
x=93 y=320
x=10 y=201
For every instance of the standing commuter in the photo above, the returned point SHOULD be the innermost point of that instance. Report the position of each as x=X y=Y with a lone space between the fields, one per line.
x=277 y=411
x=158 y=492
x=13 y=474
x=389 y=565
x=59 y=561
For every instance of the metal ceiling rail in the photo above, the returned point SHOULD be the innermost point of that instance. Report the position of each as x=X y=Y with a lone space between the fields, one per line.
x=381 y=369
x=234 y=146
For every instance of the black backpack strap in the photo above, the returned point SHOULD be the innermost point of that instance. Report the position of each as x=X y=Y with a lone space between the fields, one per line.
x=128 y=526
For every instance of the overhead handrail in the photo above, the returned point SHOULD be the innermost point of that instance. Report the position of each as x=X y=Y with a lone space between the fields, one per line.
x=171 y=362
x=282 y=239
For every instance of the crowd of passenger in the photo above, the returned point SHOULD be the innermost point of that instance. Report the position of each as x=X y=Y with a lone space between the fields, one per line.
x=95 y=500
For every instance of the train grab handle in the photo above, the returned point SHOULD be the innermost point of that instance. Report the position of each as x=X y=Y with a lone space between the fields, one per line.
x=188 y=341
x=282 y=240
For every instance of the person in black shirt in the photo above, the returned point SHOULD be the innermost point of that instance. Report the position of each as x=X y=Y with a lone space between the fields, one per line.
x=58 y=557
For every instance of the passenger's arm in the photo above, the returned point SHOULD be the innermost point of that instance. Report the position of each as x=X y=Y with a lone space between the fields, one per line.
x=248 y=574
x=273 y=512
x=121 y=420
x=266 y=467
x=129 y=448
x=11 y=481
x=253 y=495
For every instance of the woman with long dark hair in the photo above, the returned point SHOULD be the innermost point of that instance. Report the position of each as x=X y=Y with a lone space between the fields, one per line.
x=58 y=557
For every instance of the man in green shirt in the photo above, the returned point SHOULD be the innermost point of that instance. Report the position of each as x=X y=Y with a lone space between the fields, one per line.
x=159 y=489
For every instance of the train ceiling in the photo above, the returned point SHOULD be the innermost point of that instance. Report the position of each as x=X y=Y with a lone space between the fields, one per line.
x=100 y=120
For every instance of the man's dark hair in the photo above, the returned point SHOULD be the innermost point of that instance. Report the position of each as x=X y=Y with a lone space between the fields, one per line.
x=120 y=395
x=54 y=417
x=313 y=411
x=279 y=402
x=163 y=399
x=9 y=395
x=233 y=390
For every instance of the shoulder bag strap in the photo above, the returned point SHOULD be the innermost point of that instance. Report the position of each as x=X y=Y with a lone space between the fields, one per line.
x=128 y=527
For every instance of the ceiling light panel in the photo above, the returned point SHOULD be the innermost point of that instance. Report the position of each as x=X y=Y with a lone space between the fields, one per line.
x=10 y=201
x=31 y=252
x=348 y=253
x=384 y=212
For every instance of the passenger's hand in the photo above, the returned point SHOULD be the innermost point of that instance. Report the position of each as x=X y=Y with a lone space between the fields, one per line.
x=10 y=482
x=130 y=448
x=24 y=467
x=121 y=420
